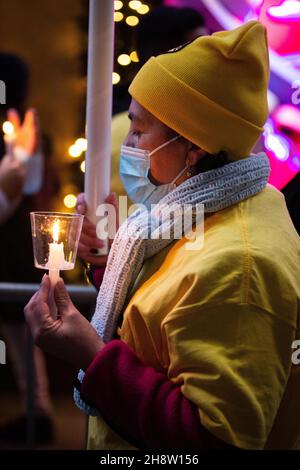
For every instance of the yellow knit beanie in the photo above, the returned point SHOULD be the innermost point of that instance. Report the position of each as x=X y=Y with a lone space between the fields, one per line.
x=212 y=91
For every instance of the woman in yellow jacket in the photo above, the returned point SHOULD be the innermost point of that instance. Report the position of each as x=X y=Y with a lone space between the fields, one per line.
x=191 y=342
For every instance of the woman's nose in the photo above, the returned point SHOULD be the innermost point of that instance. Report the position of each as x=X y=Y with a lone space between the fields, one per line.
x=128 y=141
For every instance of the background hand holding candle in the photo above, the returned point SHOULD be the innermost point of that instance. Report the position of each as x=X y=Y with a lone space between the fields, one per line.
x=22 y=142
x=21 y=135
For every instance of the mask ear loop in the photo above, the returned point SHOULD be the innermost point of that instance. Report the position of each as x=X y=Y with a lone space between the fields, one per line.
x=163 y=145
x=178 y=176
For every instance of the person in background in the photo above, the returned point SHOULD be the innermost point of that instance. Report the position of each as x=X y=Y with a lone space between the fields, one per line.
x=12 y=176
x=25 y=188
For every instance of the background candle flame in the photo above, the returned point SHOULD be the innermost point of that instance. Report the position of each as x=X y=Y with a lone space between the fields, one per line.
x=8 y=128
x=55 y=231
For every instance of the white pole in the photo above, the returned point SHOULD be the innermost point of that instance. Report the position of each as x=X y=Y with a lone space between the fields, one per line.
x=99 y=104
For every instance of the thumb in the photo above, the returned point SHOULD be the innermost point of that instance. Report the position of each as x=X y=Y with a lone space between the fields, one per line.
x=112 y=199
x=61 y=296
x=30 y=118
x=81 y=204
x=44 y=289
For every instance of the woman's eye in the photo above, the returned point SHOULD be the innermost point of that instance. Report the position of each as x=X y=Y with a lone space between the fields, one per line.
x=137 y=133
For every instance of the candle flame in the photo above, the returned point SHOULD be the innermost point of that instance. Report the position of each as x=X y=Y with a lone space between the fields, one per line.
x=55 y=231
x=8 y=128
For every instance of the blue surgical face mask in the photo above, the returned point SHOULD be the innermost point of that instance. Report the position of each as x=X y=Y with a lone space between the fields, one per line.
x=134 y=170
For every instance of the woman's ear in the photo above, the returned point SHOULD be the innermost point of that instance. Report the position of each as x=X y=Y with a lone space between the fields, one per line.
x=194 y=155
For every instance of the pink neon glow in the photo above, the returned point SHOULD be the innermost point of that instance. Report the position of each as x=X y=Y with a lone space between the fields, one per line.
x=289 y=9
x=295 y=161
x=292 y=59
x=268 y=127
x=278 y=145
x=282 y=153
x=256 y=3
x=288 y=116
x=283 y=29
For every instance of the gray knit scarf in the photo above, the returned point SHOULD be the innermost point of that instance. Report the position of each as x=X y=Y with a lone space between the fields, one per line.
x=216 y=189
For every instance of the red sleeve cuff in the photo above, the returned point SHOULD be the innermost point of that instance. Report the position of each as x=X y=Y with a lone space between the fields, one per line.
x=95 y=275
x=98 y=276
x=141 y=404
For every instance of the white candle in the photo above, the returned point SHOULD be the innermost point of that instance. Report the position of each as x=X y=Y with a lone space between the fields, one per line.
x=99 y=105
x=56 y=261
x=56 y=256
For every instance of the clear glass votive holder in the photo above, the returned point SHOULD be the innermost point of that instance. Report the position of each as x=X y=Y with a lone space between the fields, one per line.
x=55 y=238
